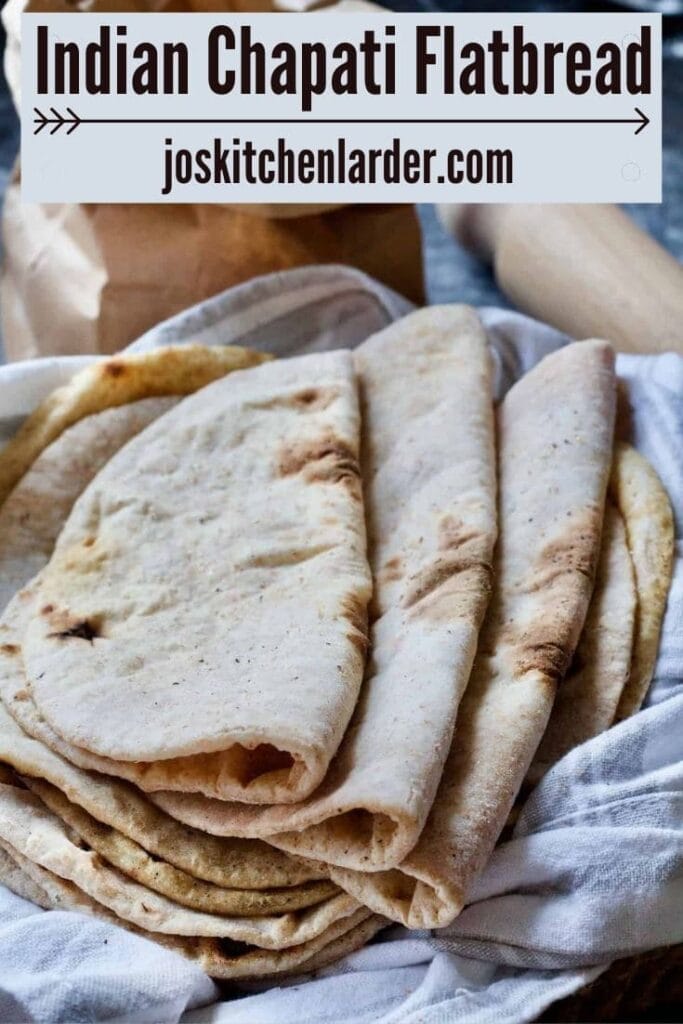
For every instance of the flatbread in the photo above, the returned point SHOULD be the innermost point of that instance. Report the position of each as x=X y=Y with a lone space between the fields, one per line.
x=429 y=477
x=33 y=514
x=236 y=864
x=21 y=884
x=173 y=370
x=149 y=870
x=588 y=697
x=446 y=347
x=30 y=521
x=554 y=454
x=222 y=651
x=221 y=958
x=36 y=833
x=644 y=504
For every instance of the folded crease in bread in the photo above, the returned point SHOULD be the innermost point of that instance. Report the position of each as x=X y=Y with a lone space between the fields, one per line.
x=240 y=867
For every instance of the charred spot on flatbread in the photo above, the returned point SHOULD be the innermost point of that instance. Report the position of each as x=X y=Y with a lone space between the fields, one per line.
x=392 y=571
x=575 y=551
x=454 y=534
x=460 y=571
x=314 y=399
x=114 y=368
x=70 y=627
x=354 y=610
x=548 y=657
x=329 y=459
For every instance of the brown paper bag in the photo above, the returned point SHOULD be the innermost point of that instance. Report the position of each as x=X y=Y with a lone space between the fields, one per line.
x=91 y=278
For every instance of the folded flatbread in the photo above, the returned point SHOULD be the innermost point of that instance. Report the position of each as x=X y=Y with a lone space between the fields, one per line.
x=21 y=884
x=33 y=515
x=429 y=480
x=172 y=370
x=221 y=958
x=555 y=430
x=230 y=876
x=31 y=829
x=149 y=870
x=645 y=507
x=245 y=866
x=588 y=697
x=434 y=527
x=614 y=661
x=203 y=616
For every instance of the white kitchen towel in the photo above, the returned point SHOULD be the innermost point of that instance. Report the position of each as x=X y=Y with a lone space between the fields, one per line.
x=593 y=871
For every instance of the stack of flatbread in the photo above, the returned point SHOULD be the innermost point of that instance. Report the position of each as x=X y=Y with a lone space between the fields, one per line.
x=283 y=641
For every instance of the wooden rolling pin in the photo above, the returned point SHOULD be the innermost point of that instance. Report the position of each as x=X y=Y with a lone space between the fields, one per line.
x=588 y=270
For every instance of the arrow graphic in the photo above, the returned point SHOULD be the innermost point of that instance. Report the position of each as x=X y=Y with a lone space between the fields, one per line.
x=72 y=121
x=58 y=121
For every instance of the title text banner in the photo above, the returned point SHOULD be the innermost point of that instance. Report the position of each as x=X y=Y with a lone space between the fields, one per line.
x=338 y=108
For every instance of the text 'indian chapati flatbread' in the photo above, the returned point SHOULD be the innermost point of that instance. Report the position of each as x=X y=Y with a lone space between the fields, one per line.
x=429 y=480
x=173 y=370
x=33 y=514
x=203 y=614
x=588 y=697
x=644 y=504
x=555 y=430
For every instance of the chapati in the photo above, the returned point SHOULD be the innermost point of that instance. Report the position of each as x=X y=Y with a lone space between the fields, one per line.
x=263 y=609
x=237 y=864
x=149 y=870
x=555 y=432
x=30 y=521
x=218 y=642
x=33 y=515
x=172 y=370
x=20 y=883
x=588 y=697
x=221 y=958
x=31 y=829
x=644 y=504
x=429 y=480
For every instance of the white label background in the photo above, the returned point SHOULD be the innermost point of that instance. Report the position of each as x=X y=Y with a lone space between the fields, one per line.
x=552 y=162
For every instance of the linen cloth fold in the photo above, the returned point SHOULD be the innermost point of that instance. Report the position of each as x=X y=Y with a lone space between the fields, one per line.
x=593 y=870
